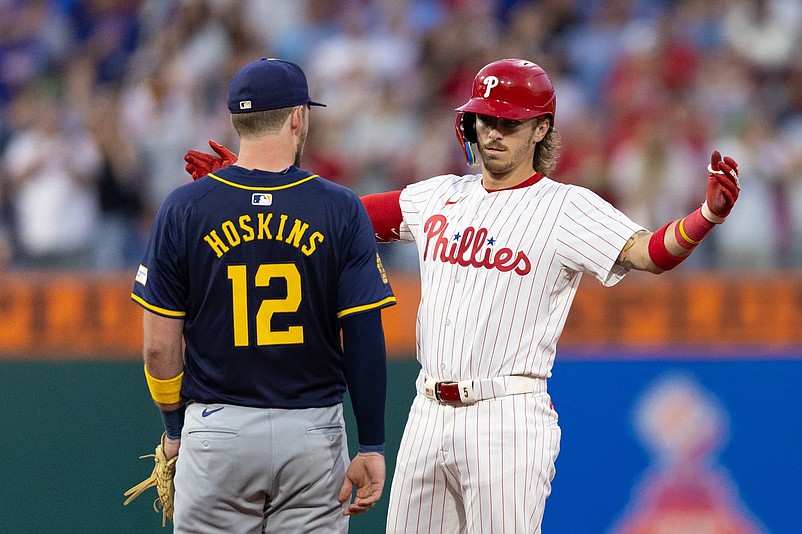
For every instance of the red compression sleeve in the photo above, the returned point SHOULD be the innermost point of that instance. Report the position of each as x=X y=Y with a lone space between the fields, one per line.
x=385 y=214
x=659 y=253
x=689 y=232
x=692 y=229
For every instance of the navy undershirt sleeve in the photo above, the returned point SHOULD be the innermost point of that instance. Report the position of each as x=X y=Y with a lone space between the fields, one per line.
x=366 y=374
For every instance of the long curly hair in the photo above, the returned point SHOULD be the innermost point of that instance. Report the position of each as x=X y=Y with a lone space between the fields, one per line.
x=547 y=152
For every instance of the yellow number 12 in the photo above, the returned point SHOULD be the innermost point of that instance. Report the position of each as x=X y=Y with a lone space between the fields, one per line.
x=265 y=335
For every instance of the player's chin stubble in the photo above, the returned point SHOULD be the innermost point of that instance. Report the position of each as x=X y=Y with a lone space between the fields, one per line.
x=507 y=161
x=501 y=164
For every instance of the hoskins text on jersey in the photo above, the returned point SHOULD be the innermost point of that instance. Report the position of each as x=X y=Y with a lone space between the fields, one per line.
x=264 y=227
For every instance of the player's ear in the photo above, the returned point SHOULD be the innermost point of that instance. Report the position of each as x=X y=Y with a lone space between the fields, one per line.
x=297 y=118
x=542 y=126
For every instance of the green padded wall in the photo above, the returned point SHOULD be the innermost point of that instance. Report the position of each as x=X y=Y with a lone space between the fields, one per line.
x=71 y=437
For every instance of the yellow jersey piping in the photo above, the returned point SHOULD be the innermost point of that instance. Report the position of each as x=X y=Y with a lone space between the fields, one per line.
x=156 y=309
x=381 y=303
x=261 y=188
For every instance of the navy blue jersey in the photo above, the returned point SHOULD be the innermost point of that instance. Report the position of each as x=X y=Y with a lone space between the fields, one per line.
x=261 y=266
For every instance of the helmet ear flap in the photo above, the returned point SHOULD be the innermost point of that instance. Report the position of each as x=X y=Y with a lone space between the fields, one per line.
x=469 y=127
x=465 y=125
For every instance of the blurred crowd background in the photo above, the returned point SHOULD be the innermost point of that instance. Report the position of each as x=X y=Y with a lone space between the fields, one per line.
x=100 y=99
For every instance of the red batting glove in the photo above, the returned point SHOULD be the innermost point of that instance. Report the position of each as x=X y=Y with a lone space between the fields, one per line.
x=199 y=164
x=722 y=187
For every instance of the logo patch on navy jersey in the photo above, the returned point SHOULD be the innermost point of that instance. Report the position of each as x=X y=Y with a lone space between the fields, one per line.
x=142 y=275
x=262 y=199
x=380 y=267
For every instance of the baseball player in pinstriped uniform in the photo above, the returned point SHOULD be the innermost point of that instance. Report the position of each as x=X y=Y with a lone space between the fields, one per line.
x=501 y=256
x=259 y=268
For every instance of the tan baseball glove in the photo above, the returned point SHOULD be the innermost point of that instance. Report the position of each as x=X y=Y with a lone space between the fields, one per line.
x=162 y=478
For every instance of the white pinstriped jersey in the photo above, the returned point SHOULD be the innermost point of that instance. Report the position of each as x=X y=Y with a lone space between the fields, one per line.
x=499 y=270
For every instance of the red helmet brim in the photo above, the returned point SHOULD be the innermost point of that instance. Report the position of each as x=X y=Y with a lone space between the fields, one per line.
x=496 y=108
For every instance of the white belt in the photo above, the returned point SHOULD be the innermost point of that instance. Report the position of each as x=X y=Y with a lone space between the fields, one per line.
x=473 y=390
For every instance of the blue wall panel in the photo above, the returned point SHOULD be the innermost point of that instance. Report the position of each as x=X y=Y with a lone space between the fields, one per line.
x=603 y=461
x=72 y=433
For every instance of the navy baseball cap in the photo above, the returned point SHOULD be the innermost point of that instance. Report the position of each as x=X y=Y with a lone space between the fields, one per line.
x=266 y=84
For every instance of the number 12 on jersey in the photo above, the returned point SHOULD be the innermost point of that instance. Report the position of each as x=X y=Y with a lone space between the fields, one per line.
x=265 y=335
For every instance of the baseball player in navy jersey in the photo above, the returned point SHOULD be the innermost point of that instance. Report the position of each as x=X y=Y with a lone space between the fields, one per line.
x=258 y=269
x=501 y=256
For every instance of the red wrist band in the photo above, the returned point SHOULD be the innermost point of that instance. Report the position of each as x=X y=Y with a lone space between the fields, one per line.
x=660 y=256
x=692 y=229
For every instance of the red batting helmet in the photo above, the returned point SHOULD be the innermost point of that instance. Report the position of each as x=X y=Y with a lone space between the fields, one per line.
x=508 y=88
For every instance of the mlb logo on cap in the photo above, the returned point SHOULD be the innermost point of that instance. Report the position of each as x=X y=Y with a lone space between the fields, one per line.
x=268 y=84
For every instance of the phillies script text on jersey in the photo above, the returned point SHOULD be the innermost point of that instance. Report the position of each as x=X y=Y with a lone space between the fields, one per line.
x=470 y=249
x=246 y=229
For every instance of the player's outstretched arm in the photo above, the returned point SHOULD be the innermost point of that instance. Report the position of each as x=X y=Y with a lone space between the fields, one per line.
x=385 y=215
x=367 y=472
x=199 y=164
x=667 y=247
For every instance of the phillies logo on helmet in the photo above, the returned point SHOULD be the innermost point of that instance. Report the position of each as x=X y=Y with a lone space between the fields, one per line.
x=520 y=90
x=490 y=82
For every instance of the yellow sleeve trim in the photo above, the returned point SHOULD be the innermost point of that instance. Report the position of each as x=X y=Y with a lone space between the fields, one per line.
x=165 y=391
x=357 y=309
x=156 y=309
